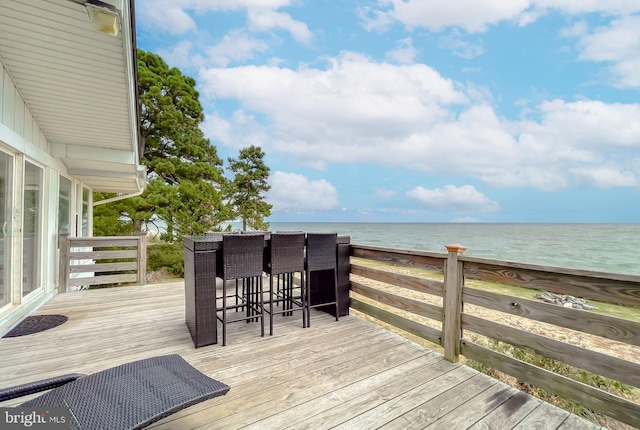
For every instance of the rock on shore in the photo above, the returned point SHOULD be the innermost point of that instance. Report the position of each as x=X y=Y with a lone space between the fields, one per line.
x=565 y=300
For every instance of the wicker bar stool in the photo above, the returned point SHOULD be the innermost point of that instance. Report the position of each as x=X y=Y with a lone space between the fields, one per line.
x=321 y=255
x=217 y=236
x=285 y=258
x=242 y=257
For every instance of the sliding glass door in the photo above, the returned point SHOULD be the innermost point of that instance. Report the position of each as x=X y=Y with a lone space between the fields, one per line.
x=6 y=208
x=32 y=228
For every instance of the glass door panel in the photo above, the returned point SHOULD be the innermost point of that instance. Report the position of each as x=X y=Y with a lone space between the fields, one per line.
x=64 y=205
x=32 y=228
x=85 y=212
x=6 y=206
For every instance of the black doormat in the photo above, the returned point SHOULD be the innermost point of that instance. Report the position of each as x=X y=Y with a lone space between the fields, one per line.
x=36 y=324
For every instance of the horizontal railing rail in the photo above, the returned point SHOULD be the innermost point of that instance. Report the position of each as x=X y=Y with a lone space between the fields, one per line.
x=458 y=323
x=607 y=287
x=368 y=299
x=87 y=261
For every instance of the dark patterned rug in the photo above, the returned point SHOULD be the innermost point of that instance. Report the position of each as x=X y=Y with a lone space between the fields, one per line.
x=36 y=324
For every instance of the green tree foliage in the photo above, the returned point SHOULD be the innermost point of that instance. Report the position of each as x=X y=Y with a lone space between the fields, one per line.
x=185 y=175
x=248 y=187
x=107 y=219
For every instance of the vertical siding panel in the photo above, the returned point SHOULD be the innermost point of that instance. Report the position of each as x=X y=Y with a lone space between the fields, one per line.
x=43 y=141
x=28 y=125
x=19 y=113
x=7 y=102
x=1 y=91
x=35 y=133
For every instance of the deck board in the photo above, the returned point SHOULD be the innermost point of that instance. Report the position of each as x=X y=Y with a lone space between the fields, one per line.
x=509 y=414
x=349 y=374
x=436 y=407
x=544 y=417
x=367 y=394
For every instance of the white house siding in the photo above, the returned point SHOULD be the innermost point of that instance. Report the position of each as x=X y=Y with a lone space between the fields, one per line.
x=21 y=137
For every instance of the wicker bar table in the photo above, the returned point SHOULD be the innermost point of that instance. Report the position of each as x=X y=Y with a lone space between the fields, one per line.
x=201 y=257
x=200 y=288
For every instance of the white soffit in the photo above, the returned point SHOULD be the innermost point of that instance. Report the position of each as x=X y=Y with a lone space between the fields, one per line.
x=78 y=83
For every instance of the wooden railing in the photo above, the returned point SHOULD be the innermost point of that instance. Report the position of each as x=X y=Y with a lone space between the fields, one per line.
x=101 y=260
x=457 y=325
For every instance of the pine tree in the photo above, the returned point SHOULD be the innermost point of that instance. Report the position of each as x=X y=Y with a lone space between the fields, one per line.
x=185 y=177
x=248 y=187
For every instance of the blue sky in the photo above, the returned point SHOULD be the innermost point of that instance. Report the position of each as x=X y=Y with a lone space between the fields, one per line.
x=420 y=110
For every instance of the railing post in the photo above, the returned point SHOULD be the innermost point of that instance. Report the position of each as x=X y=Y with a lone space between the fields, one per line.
x=142 y=258
x=452 y=304
x=63 y=268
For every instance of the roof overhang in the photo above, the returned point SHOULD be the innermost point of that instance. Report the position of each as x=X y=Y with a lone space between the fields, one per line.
x=80 y=84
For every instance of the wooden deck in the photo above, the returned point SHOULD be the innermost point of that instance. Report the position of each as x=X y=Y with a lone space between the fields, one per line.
x=349 y=374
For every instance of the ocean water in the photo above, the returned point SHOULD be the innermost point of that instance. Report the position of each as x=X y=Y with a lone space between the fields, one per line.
x=613 y=248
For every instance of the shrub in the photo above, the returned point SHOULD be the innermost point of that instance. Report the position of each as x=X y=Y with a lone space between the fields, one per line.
x=169 y=256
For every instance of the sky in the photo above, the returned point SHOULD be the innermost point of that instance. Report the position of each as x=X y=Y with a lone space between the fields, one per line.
x=419 y=110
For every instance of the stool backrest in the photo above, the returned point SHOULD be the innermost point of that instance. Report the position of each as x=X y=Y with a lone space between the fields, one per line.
x=322 y=251
x=287 y=253
x=242 y=255
x=266 y=234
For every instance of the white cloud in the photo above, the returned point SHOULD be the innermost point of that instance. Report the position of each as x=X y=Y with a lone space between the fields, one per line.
x=240 y=131
x=375 y=20
x=295 y=193
x=457 y=199
x=237 y=4
x=550 y=178
x=592 y=124
x=409 y=116
x=215 y=5
x=471 y=15
x=235 y=46
x=173 y=16
x=405 y=52
x=351 y=92
x=572 y=7
x=605 y=177
x=166 y=15
x=181 y=55
x=265 y=20
x=474 y=16
x=460 y=47
x=617 y=44
x=577 y=29
x=578 y=139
